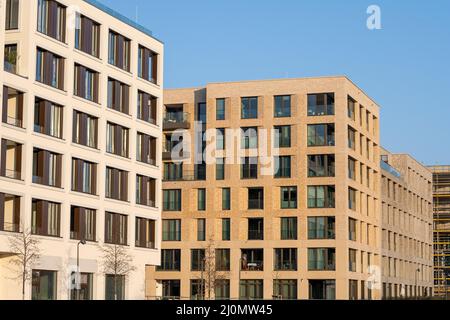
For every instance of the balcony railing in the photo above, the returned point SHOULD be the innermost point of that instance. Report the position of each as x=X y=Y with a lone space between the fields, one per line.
x=167 y=155
x=255 y=204
x=286 y=266
x=10 y=227
x=14 y=122
x=12 y=174
x=255 y=235
x=176 y=120
x=146 y=202
x=253 y=265
x=387 y=167
x=145 y=244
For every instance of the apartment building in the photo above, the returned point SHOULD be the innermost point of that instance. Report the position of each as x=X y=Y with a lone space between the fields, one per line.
x=310 y=227
x=80 y=160
x=441 y=208
x=407 y=227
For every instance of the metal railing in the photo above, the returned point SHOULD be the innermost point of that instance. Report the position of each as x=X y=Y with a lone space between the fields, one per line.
x=13 y=174
x=175 y=120
x=10 y=227
x=14 y=121
x=253 y=265
x=388 y=168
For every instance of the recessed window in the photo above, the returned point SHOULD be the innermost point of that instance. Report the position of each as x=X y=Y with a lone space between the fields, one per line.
x=87 y=35
x=48 y=118
x=172 y=200
x=45 y=218
x=10 y=58
x=118 y=96
x=321 y=165
x=12 y=15
x=85 y=129
x=116 y=184
x=12 y=107
x=220 y=109
x=148 y=65
x=321 y=196
x=321 y=228
x=86 y=83
x=288 y=228
x=249 y=108
x=282 y=136
x=321 y=259
x=288 y=197
x=52 y=19
x=320 y=104
x=116 y=228
x=282 y=106
x=320 y=135
x=119 y=51
x=50 y=69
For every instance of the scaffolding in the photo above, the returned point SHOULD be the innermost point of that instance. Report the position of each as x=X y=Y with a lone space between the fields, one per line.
x=441 y=230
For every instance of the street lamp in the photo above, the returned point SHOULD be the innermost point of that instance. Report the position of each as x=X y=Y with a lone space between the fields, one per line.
x=83 y=242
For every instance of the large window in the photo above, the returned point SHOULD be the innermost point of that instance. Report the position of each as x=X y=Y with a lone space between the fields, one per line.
x=320 y=135
x=9 y=212
x=220 y=139
x=288 y=197
x=84 y=176
x=256 y=229
x=48 y=118
x=145 y=191
x=146 y=148
x=43 y=285
x=251 y=289
x=145 y=233
x=86 y=287
x=11 y=159
x=321 y=228
x=171 y=230
x=321 y=259
x=322 y=289
x=222 y=289
x=321 y=196
x=87 y=35
x=50 y=69
x=352 y=260
x=197 y=259
x=117 y=140
x=85 y=129
x=285 y=259
x=321 y=104
x=197 y=289
x=47 y=168
x=82 y=223
x=201 y=199
x=226 y=229
x=114 y=287
x=52 y=19
x=351 y=138
x=351 y=107
x=249 y=138
x=170 y=260
x=222 y=259
x=172 y=200
x=352 y=199
x=12 y=15
x=45 y=218
x=170 y=289
x=285 y=289
x=86 y=83
x=173 y=171
x=116 y=184
x=119 y=51
x=288 y=228
x=282 y=106
x=220 y=109
x=220 y=169
x=148 y=65
x=201 y=229
x=256 y=198
x=352 y=229
x=352 y=168
x=118 y=96
x=282 y=167
x=249 y=168
x=147 y=107
x=116 y=228
x=10 y=58
x=252 y=259
x=249 y=108
x=226 y=198
x=12 y=107
x=282 y=136
x=322 y=165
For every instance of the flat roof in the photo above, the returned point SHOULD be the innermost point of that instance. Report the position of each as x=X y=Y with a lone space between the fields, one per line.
x=121 y=17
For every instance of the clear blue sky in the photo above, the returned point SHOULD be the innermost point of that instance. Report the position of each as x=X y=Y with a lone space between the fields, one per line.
x=405 y=67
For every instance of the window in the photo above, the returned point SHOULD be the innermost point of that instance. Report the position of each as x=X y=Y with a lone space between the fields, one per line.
x=173 y=171
x=249 y=168
x=116 y=184
x=145 y=191
x=352 y=229
x=282 y=106
x=10 y=58
x=116 y=228
x=45 y=218
x=322 y=289
x=172 y=200
x=321 y=104
x=255 y=229
x=117 y=140
x=197 y=289
x=249 y=138
x=289 y=228
x=147 y=107
x=119 y=51
x=351 y=199
x=171 y=230
x=87 y=35
x=9 y=213
x=288 y=197
x=220 y=139
x=321 y=228
x=220 y=169
x=352 y=260
x=226 y=229
x=320 y=259
x=351 y=107
x=321 y=165
x=320 y=135
x=197 y=259
x=43 y=285
x=145 y=233
x=353 y=289
x=201 y=229
x=48 y=118
x=252 y=259
x=285 y=289
x=82 y=223
x=146 y=149
x=84 y=176
x=12 y=107
x=118 y=96
x=282 y=136
x=86 y=287
x=251 y=290
x=220 y=109
x=50 y=69
x=85 y=129
x=200 y=113
x=222 y=289
x=148 y=65
x=282 y=167
x=170 y=289
x=52 y=19
x=11 y=159
x=352 y=168
x=249 y=108
x=114 y=287
x=201 y=199
x=86 y=83
x=226 y=198
x=351 y=138
x=285 y=259
x=256 y=198
x=12 y=15
x=47 y=168
x=321 y=196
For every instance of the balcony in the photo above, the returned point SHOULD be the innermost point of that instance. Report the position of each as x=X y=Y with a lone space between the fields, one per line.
x=176 y=120
x=387 y=167
x=187 y=175
x=11 y=160
x=252 y=260
x=167 y=155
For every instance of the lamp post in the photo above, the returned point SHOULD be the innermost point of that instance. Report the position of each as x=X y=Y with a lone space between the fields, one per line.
x=83 y=242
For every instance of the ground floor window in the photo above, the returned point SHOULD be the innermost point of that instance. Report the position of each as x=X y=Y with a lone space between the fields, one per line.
x=43 y=285
x=322 y=289
x=285 y=289
x=114 y=287
x=85 y=290
x=170 y=289
x=251 y=289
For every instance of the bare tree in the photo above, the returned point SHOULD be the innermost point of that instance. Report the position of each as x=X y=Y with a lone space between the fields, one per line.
x=210 y=277
x=116 y=261
x=26 y=252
